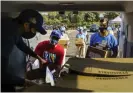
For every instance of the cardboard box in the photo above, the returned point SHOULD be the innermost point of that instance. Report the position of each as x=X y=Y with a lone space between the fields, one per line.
x=101 y=66
x=93 y=52
x=63 y=43
x=79 y=41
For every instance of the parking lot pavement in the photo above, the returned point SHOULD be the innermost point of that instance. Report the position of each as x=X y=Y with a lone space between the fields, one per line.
x=71 y=34
x=38 y=38
x=72 y=48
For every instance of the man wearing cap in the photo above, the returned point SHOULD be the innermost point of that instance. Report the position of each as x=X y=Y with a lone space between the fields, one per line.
x=80 y=47
x=105 y=38
x=12 y=30
x=63 y=28
x=51 y=51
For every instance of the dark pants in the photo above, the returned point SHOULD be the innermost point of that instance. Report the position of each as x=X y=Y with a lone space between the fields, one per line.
x=8 y=80
x=5 y=87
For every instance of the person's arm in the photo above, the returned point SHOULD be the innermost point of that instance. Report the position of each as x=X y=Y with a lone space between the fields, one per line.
x=84 y=38
x=58 y=62
x=39 y=51
x=23 y=47
x=115 y=52
x=91 y=40
x=115 y=47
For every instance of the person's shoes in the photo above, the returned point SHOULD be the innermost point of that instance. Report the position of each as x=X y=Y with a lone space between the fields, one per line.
x=77 y=55
x=82 y=57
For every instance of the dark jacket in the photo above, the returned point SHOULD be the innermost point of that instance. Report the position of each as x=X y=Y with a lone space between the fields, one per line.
x=10 y=37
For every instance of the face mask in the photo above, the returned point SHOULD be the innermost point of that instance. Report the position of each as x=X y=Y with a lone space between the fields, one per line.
x=53 y=41
x=62 y=32
x=28 y=35
x=102 y=29
x=80 y=32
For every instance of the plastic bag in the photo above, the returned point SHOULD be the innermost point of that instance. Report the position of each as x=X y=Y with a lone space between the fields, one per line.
x=49 y=77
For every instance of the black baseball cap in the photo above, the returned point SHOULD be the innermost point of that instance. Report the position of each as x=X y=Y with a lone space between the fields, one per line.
x=34 y=17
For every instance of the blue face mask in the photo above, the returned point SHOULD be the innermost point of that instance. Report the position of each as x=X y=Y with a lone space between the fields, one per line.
x=53 y=41
x=81 y=32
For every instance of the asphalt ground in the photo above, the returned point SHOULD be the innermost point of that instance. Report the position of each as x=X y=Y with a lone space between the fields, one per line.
x=71 y=51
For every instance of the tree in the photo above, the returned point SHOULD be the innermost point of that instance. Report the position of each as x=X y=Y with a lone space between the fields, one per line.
x=111 y=15
x=89 y=17
x=96 y=16
x=45 y=19
x=83 y=18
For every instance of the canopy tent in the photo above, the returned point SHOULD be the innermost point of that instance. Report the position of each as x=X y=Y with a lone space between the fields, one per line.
x=116 y=20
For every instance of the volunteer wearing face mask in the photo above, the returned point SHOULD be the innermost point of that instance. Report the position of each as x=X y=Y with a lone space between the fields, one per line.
x=105 y=38
x=81 y=48
x=63 y=28
x=51 y=51
x=12 y=30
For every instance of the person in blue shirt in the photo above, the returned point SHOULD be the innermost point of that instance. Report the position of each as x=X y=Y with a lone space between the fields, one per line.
x=105 y=38
x=81 y=49
x=81 y=34
x=63 y=28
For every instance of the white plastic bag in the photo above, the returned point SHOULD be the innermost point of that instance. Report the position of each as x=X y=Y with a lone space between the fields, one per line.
x=49 y=77
x=35 y=65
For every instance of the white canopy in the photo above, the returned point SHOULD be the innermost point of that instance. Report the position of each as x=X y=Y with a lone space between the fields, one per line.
x=116 y=20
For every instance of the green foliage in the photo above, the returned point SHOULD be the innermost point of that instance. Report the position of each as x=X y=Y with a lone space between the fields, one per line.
x=111 y=15
x=72 y=20
x=96 y=16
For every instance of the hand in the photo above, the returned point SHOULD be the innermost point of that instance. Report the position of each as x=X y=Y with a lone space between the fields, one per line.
x=29 y=64
x=41 y=59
